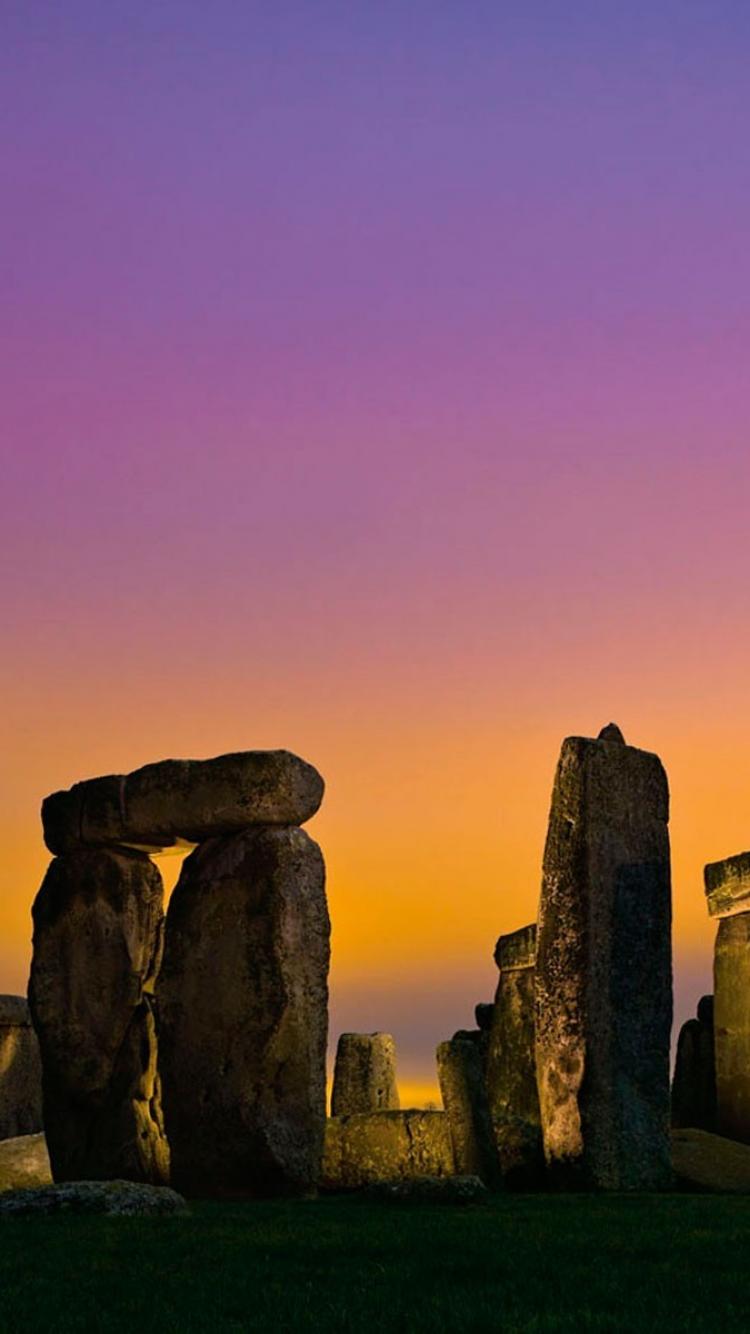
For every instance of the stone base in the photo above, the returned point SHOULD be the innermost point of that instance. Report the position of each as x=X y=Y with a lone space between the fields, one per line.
x=385 y=1146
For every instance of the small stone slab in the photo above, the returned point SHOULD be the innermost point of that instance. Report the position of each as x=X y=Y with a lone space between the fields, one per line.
x=430 y=1190
x=24 y=1162
x=122 y=1198
x=385 y=1146
x=728 y=885
x=517 y=949
x=703 y=1161
x=183 y=801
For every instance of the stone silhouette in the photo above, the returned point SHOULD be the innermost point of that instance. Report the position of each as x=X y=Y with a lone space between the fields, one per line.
x=728 y=886
x=511 y=1061
x=385 y=1146
x=732 y=1026
x=694 y=1081
x=20 y=1071
x=603 y=985
x=242 y=1000
x=98 y=921
x=464 y=1093
x=364 y=1077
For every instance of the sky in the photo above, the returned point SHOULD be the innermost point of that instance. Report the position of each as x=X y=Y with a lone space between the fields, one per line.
x=373 y=383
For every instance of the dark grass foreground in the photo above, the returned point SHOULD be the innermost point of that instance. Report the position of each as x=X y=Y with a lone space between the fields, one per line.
x=519 y=1263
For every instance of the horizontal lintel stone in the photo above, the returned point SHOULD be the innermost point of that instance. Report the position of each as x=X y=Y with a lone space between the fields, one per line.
x=517 y=949
x=728 y=885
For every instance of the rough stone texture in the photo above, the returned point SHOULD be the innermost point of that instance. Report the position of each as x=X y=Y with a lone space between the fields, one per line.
x=703 y=1161
x=183 y=801
x=728 y=885
x=694 y=1081
x=511 y=1065
x=98 y=922
x=124 y=1198
x=385 y=1146
x=732 y=1026
x=364 y=1077
x=24 y=1162
x=430 y=1190
x=464 y=1093
x=20 y=1070
x=603 y=970
x=242 y=998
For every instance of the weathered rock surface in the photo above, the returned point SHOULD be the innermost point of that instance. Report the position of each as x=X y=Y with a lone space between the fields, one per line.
x=242 y=998
x=464 y=1093
x=728 y=885
x=430 y=1190
x=97 y=940
x=124 y=1198
x=703 y=1161
x=183 y=801
x=511 y=1063
x=24 y=1161
x=385 y=1146
x=603 y=1007
x=364 y=1077
x=20 y=1070
x=732 y=1026
x=694 y=1080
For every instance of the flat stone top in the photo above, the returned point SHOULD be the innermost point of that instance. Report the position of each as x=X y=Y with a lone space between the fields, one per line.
x=517 y=949
x=728 y=885
x=14 y=1012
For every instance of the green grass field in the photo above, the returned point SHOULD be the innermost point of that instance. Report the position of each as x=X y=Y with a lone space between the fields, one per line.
x=519 y=1263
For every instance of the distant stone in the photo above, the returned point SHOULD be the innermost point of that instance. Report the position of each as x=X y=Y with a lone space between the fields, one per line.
x=364 y=1078
x=243 y=1020
x=694 y=1080
x=98 y=921
x=187 y=801
x=430 y=1190
x=728 y=885
x=612 y=733
x=385 y=1146
x=483 y=1013
x=20 y=1071
x=464 y=1093
x=511 y=1064
x=24 y=1161
x=732 y=1026
x=703 y=1161
x=603 y=1005
x=121 y=1198
x=517 y=949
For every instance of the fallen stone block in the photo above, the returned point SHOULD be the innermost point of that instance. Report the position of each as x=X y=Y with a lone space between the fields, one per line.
x=20 y=1070
x=127 y=1199
x=24 y=1162
x=364 y=1077
x=385 y=1146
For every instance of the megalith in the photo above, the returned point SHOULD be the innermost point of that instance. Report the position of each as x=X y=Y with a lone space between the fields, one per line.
x=727 y=885
x=20 y=1071
x=464 y=1093
x=364 y=1076
x=603 y=978
x=694 y=1080
x=368 y=1147
x=98 y=921
x=511 y=1061
x=242 y=1003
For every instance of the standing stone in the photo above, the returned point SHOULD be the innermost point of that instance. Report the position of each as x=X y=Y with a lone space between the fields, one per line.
x=464 y=1094
x=98 y=922
x=20 y=1071
x=242 y=999
x=364 y=1078
x=511 y=1063
x=694 y=1082
x=732 y=1026
x=603 y=1005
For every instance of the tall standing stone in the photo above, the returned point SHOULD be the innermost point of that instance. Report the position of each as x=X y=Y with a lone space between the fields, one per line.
x=242 y=998
x=511 y=1061
x=603 y=1004
x=364 y=1077
x=463 y=1090
x=98 y=922
x=20 y=1070
x=728 y=898
x=694 y=1081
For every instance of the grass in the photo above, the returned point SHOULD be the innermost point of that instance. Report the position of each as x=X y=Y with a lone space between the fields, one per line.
x=519 y=1263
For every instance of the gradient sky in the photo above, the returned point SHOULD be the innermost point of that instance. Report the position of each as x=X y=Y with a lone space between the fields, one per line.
x=375 y=384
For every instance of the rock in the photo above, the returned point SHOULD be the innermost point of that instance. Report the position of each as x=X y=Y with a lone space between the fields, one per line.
x=603 y=1005
x=694 y=1080
x=183 y=801
x=364 y=1078
x=124 y=1198
x=242 y=998
x=98 y=922
x=430 y=1190
x=728 y=885
x=483 y=1013
x=732 y=1026
x=511 y=1065
x=24 y=1161
x=703 y=1161
x=385 y=1146
x=464 y=1094
x=20 y=1071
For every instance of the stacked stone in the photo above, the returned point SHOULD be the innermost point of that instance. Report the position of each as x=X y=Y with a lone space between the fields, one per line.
x=728 y=897
x=511 y=1063
x=20 y=1071
x=364 y=1077
x=241 y=995
x=694 y=1081
x=603 y=980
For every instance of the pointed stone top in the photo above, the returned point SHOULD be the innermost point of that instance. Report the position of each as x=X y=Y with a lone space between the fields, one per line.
x=611 y=733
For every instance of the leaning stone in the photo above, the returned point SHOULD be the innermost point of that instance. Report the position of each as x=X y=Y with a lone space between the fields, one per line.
x=694 y=1080
x=430 y=1190
x=24 y=1162
x=385 y=1146
x=511 y=1065
x=732 y=1026
x=464 y=1094
x=603 y=969
x=728 y=885
x=364 y=1077
x=242 y=998
x=20 y=1070
x=97 y=940
x=120 y=1198
x=703 y=1161
x=183 y=801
